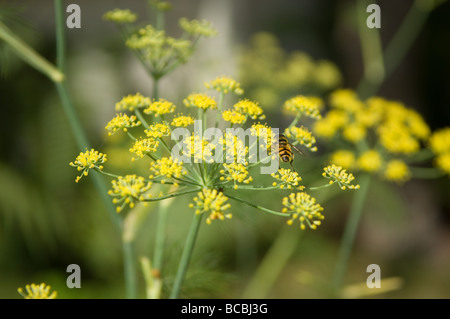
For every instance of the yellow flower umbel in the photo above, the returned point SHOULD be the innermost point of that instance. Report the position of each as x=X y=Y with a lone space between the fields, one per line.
x=198 y=149
x=376 y=132
x=196 y=27
x=88 y=160
x=397 y=171
x=302 y=136
x=201 y=101
x=129 y=189
x=158 y=130
x=182 y=121
x=443 y=162
x=346 y=99
x=329 y=126
x=233 y=117
x=120 y=16
x=336 y=174
x=439 y=143
x=354 y=132
x=132 y=102
x=288 y=179
x=144 y=147
x=35 y=291
x=235 y=149
x=250 y=108
x=303 y=105
x=236 y=172
x=225 y=85
x=213 y=202
x=160 y=107
x=370 y=161
x=167 y=167
x=397 y=139
x=343 y=158
x=121 y=122
x=303 y=207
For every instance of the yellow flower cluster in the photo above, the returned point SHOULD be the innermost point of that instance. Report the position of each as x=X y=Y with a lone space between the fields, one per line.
x=303 y=207
x=439 y=143
x=249 y=108
x=370 y=161
x=236 y=172
x=308 y=106
x=392 y=128
x=158 y=130
x=233 y=117
x=303 y=136
x=198 y=149
x=288 y=178
x=120 y=16
x=182 y=121
x=201 y=101
x=167 y=167
x=336 y=174
x=223 y=161
x=265 y=134
x=35 y=291
x=213 y=202
x=121 y=122
x=160 y=51
x=196 y=27
x=235 y=149
x=128 y=189
x=161 y=5
x=88 y=160
x=397 y=171
x=132 y=101
x=160 y=107
x=225 y=85
x=144 y=146
x=343 y=158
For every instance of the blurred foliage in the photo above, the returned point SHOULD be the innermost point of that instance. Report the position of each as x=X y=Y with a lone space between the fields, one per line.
x=270 y=74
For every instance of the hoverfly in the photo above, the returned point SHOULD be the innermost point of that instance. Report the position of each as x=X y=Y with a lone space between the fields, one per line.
x=285 y=150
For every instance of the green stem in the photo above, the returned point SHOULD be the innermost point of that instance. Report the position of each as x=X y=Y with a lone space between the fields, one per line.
x=350 y=231
x=257 y=206
x=158 y=253
x=29 y=55
x=219 y=108
x=295 y=120
x=319 y=187
x=156 y=88
x=141 y=118
x=408 y=31
x=186 y=256
x=372 y=52
x=129 y=269
x=272 y=264
x=159 y=241
x=176 y=194
x=252 y=188
x=399 y=45
x=82 y=142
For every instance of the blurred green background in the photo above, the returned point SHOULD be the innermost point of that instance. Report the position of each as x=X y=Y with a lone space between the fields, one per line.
x=47 y=221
